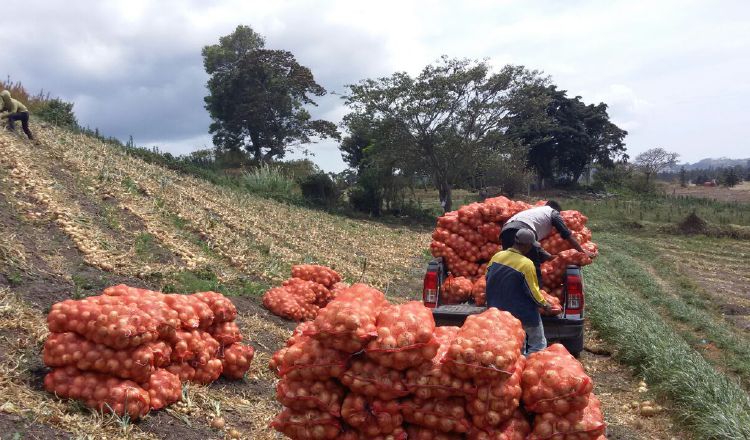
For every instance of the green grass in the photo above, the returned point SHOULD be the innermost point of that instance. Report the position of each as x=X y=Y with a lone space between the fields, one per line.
x=706 y=402
x=629 y=258
x=145 y=244
x=660 y=209
x=269 y=181
x=205 y=280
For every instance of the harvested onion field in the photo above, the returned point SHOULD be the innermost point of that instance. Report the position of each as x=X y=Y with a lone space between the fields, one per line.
x=77 y=215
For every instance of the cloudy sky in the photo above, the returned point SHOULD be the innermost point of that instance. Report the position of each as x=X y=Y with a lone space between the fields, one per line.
x=675 y=74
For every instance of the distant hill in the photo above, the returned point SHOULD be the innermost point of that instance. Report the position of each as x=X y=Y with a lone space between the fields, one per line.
x=708 y=163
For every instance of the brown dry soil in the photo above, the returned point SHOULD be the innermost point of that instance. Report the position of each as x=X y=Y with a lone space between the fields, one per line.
x=617 y=389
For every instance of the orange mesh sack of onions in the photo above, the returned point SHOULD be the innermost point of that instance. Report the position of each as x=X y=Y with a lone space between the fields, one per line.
x=555 y=305
x=586 y=424
x=456 y=290
x=207 y=372
x=487 y=346
x=348 y=322
x=371 y=417
x=117 y=325
x=152 y=303
x=316 y=273
x=311 y=424
x=496 y=400
x=297 y=304
x=195 y=345
x=553 y=381
x=309 y=359
x=367 y=378
x=433 y=380
x=164 y=388
x=323 y=395
x=222 y=308
x=226 y=333
x=516 y=428
x=193 y=313
x=99 y=391
x=446 y=415
x=69 y=349
x=405 y=336
x=479 y=290
x=235 y=360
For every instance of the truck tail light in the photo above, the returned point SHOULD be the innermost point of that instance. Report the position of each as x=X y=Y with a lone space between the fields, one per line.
x=430 y=289
x=574 y=287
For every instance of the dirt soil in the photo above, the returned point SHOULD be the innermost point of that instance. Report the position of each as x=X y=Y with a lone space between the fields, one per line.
x=617 y=389
x=14 y=427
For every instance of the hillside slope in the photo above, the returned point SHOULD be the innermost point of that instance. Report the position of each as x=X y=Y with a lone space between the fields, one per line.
x=77 y=215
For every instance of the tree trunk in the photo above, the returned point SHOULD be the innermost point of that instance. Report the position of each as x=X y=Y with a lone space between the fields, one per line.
x=444 y=190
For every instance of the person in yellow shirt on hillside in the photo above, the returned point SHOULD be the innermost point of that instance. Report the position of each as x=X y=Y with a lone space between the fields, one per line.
x=512 y=285
x=13 y=110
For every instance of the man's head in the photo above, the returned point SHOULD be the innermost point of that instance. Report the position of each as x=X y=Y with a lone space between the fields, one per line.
x=554 y=205
x=5 y=97
x=525 y=240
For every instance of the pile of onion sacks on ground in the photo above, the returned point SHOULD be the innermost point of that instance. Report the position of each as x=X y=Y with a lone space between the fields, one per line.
x=468 y=238
x=300 y=297
x=129 y=350
x=368 y=369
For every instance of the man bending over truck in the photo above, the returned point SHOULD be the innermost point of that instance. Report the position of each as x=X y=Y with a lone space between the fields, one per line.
x=512 y=285
x=539 y=221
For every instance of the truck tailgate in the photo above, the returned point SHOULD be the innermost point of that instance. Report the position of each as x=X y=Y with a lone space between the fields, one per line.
x=455 y=314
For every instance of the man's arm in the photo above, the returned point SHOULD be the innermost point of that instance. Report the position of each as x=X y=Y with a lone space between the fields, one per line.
x=529 y=272
x=7 y=111
x=562 y=228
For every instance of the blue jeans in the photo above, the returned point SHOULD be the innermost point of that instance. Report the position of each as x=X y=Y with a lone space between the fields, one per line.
x=535 y=340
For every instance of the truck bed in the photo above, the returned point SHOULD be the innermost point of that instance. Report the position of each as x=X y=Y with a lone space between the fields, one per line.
x=568 y=332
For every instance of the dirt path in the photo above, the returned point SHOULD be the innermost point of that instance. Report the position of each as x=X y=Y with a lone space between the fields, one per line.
x=617 y=388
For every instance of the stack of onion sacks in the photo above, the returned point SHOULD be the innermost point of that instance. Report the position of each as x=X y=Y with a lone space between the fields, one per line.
x=300 y=297
x=556 y=387
x=156 y=340
x=434 y=380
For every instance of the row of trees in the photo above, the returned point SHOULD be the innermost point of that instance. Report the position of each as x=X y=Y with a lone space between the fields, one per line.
x=458 y=123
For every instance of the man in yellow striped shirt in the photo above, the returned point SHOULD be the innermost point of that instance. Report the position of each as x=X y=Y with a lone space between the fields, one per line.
x=512 y=285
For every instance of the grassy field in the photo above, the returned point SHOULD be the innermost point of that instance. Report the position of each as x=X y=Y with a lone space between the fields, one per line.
x=77 y=215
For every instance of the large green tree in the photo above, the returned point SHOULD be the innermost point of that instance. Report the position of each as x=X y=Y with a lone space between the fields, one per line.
x=444 y=121
x=564 y=135
x=257 y=97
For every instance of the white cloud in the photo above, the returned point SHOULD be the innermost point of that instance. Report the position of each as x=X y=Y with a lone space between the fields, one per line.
x=673 y=73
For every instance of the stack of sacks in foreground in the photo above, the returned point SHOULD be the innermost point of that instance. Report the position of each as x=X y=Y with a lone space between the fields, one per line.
x=367 y=369
x=129 y=350
x=300 y=297
x=468 y=238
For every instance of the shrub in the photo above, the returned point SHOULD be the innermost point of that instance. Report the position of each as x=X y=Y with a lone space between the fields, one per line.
x=269 y=181
x=366 y=198
x=57 y=112
x=319 y=190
